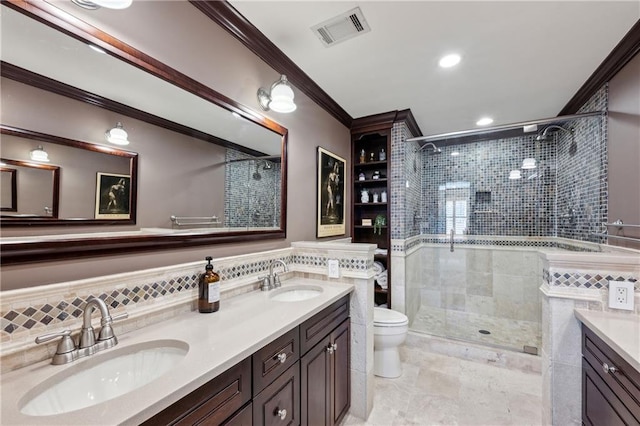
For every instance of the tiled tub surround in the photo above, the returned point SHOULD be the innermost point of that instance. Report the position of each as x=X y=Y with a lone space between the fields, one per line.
x=152 y=296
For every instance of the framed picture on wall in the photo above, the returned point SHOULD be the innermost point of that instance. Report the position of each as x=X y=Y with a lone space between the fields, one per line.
x=330 y=191
x=113 y=196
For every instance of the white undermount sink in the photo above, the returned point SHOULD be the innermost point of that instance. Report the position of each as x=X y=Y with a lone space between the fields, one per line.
x=295 y=293
x=102 y=377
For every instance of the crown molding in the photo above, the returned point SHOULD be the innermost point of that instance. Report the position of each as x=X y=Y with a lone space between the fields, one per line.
x=225 y=15
x=624 y=51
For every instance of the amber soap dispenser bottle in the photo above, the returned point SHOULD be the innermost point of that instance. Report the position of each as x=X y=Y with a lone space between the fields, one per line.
x=209 y=290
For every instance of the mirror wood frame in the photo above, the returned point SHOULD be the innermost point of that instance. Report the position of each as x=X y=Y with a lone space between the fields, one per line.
x=44 y=250
x=10 y=221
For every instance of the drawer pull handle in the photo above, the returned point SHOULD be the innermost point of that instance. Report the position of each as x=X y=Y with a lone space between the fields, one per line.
x=609 y=369
x=282 y=358
x=335 y=347
x=282 y=414
x=330 y=349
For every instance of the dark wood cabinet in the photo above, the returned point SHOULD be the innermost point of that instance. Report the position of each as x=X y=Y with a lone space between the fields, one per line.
x=279 y=402
x=274 y=359
x=610 y=386
x=325 y=379
x=272 y=376
x=212 y=403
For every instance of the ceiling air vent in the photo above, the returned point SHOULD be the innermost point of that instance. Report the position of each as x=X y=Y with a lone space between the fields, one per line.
x=341 y=28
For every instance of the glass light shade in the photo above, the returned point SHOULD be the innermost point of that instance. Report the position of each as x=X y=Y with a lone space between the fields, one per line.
x=529 y=163
x=282 y=97
x=113 y=4
x=449 y=61
x=117 y=135
x=515 y=174
x=39 y=154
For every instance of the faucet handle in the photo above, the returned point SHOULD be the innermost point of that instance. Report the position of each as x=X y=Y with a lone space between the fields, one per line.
x=66 y=344
x=106 y=332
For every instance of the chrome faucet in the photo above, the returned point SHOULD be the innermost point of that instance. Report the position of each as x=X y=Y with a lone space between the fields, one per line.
x=272 y=280
x=87 y=344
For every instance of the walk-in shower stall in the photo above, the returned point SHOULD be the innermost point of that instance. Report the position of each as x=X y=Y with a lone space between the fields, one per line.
x=252 y=191
x=479 y=208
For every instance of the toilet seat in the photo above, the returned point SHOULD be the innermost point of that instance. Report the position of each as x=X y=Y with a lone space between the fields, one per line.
x=387 y=318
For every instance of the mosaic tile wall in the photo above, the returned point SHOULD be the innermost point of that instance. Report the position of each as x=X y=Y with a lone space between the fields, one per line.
x=250 y=192
x=582 y=174
x=405 y=183
x=495 y=205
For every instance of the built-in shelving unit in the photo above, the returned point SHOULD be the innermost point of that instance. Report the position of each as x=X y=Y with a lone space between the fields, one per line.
x=371 y=147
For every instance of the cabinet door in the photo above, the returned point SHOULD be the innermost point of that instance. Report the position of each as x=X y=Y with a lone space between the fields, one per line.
x=315 y=379
x=600 y=406
x=340 y=372
x=279 y=403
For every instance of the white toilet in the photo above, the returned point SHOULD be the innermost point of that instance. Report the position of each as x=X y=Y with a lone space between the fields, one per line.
x=389 y=331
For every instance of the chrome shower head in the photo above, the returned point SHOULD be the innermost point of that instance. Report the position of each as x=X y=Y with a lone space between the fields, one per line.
x=542 y=136
x=434 y=149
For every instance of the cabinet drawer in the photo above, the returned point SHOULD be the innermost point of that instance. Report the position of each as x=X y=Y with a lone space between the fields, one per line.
x=600 y=406
x=274 y=359
x=624 y=381
x=279 y=403
x=211 y=403
x=320 y=325
x=244 y=417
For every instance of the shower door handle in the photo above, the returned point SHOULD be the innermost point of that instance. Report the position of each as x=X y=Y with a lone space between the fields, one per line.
x=451 y=240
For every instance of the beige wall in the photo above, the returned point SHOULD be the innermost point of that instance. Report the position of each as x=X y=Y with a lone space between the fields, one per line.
x=624 y=151
x=199 y=48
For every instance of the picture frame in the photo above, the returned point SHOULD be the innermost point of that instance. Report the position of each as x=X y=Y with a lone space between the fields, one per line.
x=330 y=192
x=113 y=196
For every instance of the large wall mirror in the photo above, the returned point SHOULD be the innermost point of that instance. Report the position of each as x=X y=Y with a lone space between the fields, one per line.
x=202 y=168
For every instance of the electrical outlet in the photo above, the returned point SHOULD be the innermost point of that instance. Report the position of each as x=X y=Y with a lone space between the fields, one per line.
x=334 y=268
x=621 y=295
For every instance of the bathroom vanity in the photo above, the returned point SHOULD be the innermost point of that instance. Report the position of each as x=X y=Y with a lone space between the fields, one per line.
x=302 y=377
x=256 y=361
x=610 y=368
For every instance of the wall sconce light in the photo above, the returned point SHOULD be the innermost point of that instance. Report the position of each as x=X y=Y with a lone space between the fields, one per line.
x=529 y=163
x=117 y=135
x=515 y=174
x=39 y=154
x=279 y=98
x=97 y=4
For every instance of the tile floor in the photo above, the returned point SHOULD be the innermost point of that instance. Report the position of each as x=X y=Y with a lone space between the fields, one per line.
x=454 y=383
x=506 y=332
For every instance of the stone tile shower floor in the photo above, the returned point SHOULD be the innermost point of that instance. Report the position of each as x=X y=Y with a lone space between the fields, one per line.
x=452 y=383
x=505 y=332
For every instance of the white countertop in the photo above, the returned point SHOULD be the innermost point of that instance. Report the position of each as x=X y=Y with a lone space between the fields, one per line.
x=217 y=341
x=620 y=331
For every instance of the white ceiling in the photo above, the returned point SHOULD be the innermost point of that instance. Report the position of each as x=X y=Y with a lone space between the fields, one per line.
x=520 y=60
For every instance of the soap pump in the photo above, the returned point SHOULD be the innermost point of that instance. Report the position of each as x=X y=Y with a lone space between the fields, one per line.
x=209 y=290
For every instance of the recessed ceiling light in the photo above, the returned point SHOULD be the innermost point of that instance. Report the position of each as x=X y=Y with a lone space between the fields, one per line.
x=449 y=61
x=484 y=121
x=455 y=153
